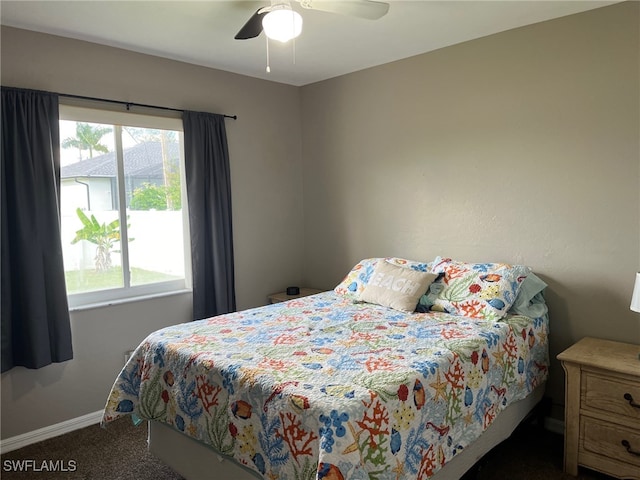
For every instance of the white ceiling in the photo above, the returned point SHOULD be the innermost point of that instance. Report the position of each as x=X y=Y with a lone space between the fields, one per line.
x=201 y=32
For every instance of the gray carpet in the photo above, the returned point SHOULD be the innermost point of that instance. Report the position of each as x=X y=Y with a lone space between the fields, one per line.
x=120 y=453
x=531 y=453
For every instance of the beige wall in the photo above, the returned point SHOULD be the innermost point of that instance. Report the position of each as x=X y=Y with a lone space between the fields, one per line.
x=34 y=399
x=266 y=182
x=519 y=147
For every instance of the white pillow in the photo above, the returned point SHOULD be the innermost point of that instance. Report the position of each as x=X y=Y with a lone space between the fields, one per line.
x=396 y=287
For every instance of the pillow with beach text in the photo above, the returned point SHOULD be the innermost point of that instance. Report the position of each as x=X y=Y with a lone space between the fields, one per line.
x=396 y=287
x=353 y=284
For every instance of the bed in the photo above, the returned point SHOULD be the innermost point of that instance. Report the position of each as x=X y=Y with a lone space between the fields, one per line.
x=333 y=387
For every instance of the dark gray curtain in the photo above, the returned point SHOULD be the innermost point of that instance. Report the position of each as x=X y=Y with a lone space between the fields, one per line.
x=209 y=196
x=36 y=330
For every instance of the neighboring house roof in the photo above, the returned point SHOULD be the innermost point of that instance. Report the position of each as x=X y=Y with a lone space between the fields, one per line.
x=143 y=160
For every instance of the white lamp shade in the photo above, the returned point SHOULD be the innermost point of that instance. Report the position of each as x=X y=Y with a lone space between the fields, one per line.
x=282 y=24
x=635 y=298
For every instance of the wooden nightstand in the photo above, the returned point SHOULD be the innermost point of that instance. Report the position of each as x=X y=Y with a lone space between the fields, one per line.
x=283 y=297
x=602 y=407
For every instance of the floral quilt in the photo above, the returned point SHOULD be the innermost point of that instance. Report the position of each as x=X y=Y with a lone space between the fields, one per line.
x=323 y=387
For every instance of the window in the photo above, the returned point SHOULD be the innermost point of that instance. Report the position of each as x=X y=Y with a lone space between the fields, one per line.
x=122 y=202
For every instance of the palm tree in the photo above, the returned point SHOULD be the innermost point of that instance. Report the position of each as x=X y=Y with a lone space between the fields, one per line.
x=87 y=137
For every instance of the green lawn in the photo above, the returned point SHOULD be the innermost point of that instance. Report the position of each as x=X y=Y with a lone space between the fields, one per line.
x=79 y=281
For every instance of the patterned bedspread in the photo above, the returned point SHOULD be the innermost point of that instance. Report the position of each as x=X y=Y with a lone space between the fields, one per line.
x=321 y=387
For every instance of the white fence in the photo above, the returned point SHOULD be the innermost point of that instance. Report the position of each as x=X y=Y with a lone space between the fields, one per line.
x=157 y=245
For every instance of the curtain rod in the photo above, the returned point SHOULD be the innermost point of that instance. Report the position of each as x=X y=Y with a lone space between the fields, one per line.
x=131 y=104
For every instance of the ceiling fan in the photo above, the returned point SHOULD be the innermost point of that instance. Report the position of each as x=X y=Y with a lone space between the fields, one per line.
x=368 y=9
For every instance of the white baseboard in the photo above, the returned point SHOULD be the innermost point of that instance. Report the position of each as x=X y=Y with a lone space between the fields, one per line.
x=19 y=441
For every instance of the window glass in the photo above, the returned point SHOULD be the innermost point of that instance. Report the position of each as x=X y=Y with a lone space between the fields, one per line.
x=122 y=221
x=89 y=207
x=154 y=205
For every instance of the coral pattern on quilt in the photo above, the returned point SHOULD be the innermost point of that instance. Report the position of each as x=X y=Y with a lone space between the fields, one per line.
x=325 y=388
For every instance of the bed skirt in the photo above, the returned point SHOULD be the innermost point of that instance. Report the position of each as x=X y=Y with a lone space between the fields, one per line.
x=197 y=461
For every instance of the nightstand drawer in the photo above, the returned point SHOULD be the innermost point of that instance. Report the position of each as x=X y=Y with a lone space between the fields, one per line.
x=612 y=395
x=601 y=423
x=610 y=440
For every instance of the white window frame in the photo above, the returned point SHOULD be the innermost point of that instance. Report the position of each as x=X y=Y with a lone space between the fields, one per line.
x=112 y=296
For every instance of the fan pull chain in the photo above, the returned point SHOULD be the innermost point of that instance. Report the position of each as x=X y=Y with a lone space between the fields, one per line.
x=268 y=67
x=293 y=49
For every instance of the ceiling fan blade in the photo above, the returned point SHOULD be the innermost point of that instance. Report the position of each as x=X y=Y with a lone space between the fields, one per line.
x=354 y=8
x=253 y=27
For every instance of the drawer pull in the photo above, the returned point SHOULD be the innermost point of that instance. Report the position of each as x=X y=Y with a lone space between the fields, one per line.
x=627 y=445
x=629 y=398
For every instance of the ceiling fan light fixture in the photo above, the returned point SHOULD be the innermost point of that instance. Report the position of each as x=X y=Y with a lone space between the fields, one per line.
x=282 y=24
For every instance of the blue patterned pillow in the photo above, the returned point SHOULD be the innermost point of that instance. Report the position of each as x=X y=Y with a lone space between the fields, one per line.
x=475 y=290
